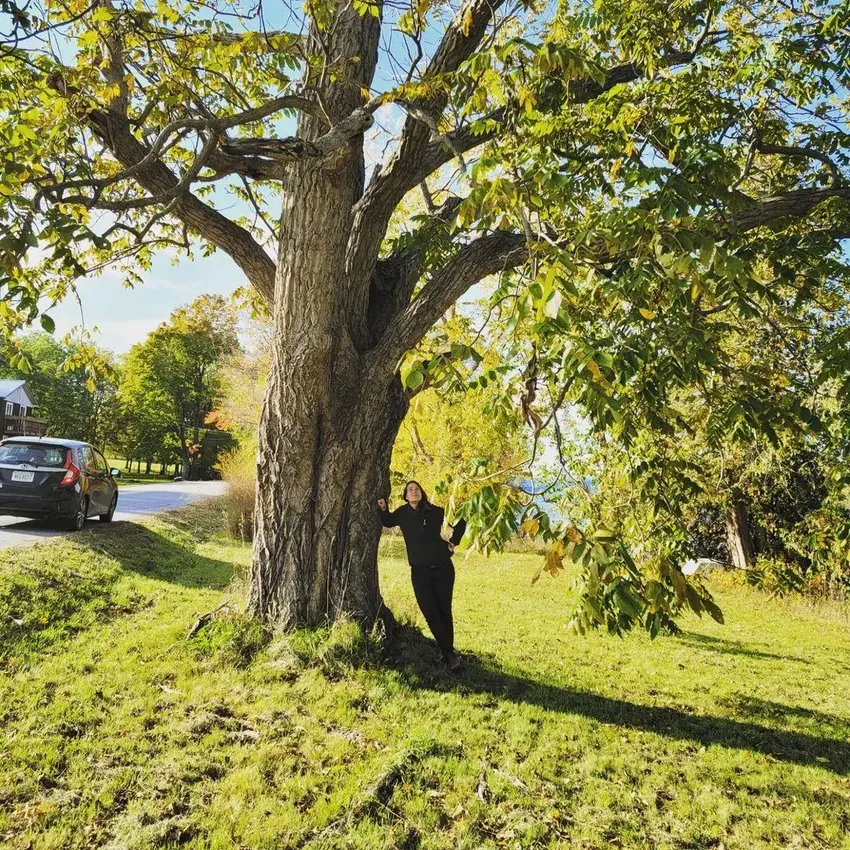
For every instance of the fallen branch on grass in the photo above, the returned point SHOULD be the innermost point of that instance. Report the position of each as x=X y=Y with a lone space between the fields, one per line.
x=205 y=619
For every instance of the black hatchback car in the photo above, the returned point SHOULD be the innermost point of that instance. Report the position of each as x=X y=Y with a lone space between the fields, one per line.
x=56 y=479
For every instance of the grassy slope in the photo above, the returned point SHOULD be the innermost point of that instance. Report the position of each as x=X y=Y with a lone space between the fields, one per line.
x=116 y=731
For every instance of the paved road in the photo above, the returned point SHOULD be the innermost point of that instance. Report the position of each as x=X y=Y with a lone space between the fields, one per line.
x=133 y=503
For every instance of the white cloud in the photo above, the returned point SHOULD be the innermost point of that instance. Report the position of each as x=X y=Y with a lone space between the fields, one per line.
x=121 y=335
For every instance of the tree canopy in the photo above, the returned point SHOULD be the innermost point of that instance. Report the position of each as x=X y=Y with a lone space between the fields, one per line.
x=648 y=185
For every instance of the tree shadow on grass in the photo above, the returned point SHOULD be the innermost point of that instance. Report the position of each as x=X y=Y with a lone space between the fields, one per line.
x=139 y=549
x=731 y=647
x=414 y=656
x=777 y=711
x=49 y=593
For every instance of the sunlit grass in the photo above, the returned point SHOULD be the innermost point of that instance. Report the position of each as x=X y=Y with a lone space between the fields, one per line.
x=119 y=732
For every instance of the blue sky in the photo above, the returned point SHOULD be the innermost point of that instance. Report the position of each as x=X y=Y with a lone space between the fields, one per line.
x=124 y=317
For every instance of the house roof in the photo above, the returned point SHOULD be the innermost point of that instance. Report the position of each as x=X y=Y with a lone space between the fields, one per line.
x=7 y=387
x=16 y=391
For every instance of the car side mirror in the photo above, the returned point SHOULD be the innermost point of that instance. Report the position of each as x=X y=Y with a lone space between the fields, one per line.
x=115 y=473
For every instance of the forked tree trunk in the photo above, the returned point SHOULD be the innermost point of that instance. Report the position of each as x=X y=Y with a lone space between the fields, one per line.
x=330 y=414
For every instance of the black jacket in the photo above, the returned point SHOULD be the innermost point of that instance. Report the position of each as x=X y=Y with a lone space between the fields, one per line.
x=421 y=530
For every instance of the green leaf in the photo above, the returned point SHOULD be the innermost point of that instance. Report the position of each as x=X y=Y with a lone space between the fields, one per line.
x=625 y=600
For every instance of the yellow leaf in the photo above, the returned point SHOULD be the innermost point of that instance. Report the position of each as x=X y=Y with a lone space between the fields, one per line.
x=530 y=527
x=466 y=23
x=88 y=38
x=365 y=92
x=598 y=377
x=573 y=534
x=678 y=581
x=647 y=314
x=553 y=562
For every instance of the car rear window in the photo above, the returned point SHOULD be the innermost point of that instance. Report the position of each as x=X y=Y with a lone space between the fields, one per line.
x=33 y=453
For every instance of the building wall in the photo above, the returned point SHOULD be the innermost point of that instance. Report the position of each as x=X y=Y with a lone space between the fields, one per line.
x=15 y=409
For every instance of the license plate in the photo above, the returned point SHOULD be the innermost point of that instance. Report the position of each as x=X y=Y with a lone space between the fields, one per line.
x=25 y=477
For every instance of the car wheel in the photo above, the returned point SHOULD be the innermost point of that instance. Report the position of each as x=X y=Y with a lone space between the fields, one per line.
x=78 y=520
x=107 y=517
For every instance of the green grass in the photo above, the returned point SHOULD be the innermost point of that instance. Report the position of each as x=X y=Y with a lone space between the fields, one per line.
x=130 y=476
x=117 y=731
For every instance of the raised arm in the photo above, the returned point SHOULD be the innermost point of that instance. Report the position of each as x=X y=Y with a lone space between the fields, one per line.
x=389 y=520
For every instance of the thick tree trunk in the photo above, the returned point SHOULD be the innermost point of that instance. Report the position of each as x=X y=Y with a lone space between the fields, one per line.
x=320 y=471
x=330 y=414
x=738 y=539
x=328 y=425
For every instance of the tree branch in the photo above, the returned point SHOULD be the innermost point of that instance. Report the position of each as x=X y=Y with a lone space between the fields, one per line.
x=794 y=150
x=795 y=204
x=276 y=40
x=157 y=179
x=486 y=255
x=373 y=211
x=582 y=91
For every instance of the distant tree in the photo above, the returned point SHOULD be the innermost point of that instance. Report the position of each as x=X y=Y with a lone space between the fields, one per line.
x=243 y=376
x=78 y=403
x=172 y=380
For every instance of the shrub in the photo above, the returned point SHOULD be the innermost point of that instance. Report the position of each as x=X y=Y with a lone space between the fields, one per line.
x=238 y=468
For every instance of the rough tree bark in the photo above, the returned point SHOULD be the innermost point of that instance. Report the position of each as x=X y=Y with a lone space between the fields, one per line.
x=329 y=419
x=738 y=539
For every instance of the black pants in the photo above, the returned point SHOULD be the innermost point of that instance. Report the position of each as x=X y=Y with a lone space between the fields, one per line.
x=433 y=587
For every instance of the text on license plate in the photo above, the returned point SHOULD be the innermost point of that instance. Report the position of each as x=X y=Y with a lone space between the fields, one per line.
x=26 y=477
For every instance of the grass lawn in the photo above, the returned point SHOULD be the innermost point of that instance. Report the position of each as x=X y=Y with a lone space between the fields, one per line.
x=133 y=477
x=117 y=731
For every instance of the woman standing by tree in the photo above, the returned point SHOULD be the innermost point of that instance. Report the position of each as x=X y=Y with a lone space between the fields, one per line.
x=432 y=572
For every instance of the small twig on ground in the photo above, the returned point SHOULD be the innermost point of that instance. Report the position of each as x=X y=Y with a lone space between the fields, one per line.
x=517 y=783
x=204 y=619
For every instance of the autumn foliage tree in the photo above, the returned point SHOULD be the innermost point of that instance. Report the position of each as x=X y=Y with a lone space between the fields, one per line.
x=640 y=177
x=172 y=381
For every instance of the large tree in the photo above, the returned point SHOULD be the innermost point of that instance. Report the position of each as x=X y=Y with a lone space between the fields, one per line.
x=652 y=172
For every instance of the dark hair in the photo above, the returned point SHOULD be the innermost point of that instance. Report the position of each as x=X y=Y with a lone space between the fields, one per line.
x=424 y=503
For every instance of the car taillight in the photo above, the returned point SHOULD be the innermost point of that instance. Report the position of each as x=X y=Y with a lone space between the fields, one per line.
x=72 y=472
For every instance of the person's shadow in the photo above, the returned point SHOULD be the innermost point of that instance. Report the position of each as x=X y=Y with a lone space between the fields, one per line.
x=414 y=657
